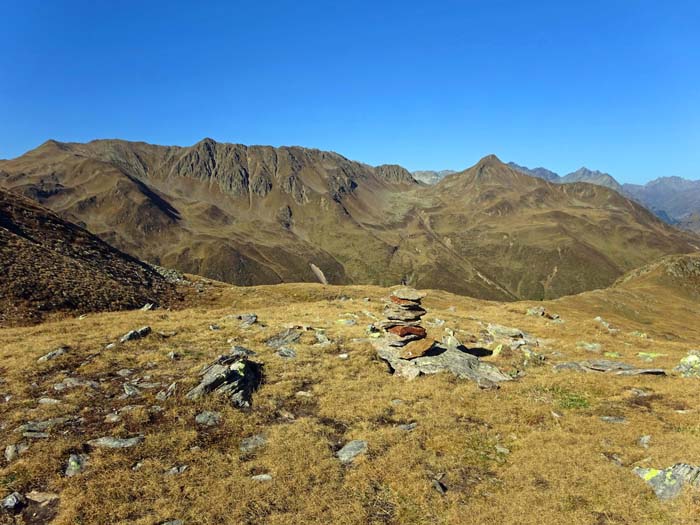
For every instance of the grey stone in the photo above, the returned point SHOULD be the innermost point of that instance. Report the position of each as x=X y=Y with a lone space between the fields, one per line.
x=606 y=366
x=75 y=382
x=76 y=464
x=321 y=338
x=644 y=441
x=53 y=354
x=31 y=434
x=12 y=452
x=613 y=419
x=500 y=331
x=133 y=335
x=167 y=393
x=408 y=294
x=408 y=427
x=261 y=477
x=351 y=450
x=589 y=347
x=41 y=426
x=177 y=469
x=286 y=352
x=689 y=366
x=130 y=390
x=247 y=319
x=233 y=376
x=668 y=483
x=214 y=327
x=172 y=522
x=252 y=443
x=113 y=442
x=287 y=337
x=125 y=372
x=14 y=503
x=208 y=418
x=48 y=401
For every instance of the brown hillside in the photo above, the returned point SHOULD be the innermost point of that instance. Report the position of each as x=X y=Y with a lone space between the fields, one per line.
x=255 y=215
x=50 y=265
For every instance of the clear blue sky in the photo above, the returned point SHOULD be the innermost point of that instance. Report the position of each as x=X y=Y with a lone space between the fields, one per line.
x=613 y=85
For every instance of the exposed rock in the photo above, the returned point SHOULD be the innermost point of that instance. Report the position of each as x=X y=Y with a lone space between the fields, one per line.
x=53 y=354
x=247 y=319
x=286 y=352
x=690 y=365
x=499 y=331
x=177 y=469
x=613 y=419
x=12 y=452
x=606 y=366
x=130 y=390
x=287 y=337
x=208 y=418
x=41 y=426
x=644 y=441
x=14 y=503
x=133 y=335
x=408 y=427
x=540 y=311
x=351 y=450
x=261 y=477
x=113 y=442
x=408 y=294
x=76 y=464
x=167 y=393
x=252 y=443
x=668 y=483
x=233 y=376
x=75 y=382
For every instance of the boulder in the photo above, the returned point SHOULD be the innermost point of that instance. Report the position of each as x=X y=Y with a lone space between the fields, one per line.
x=668 y=483
x=690 y=365
x=351 y=450
x=133 y=335
x=408 y=294
x=233 y=376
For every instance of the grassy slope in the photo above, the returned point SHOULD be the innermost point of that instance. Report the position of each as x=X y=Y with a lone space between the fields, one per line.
x=556 y=471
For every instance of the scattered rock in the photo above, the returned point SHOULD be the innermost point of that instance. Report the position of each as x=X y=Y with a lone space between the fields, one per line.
x=113 y=442
x=177 y=469
x=613 y=419
x=343 y=356
x=247 y=319
x=606 y=325
x=14 y=503
x=668 y=483
x=12 y=452
x=408 y=427
x=41 y=426
x=287 y=337
x=252 y=443
x=690 y=364
x=606 y=366
x=261 y=477
x=233 y=376
x=130 y=390
x=351 y=450
x=286 y=352
x=321 y=338
x=76 y=464
x=133 y=335
x=75 y=382
x=48 y=401
x=499 y=331
x=346 y=322
x=540 y=311
x=649 y=356
x=53 y=354
x=439 y=485
x=502 y=450
x=167 y=393
x=644 y=441
x=146 y=307
x=208 y=418
x=125 y=372
x=42 y=498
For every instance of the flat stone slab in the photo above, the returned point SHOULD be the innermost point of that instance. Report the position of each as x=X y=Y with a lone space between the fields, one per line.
x=351 y=450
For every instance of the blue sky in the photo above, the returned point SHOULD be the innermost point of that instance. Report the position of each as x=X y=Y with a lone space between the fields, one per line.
x=613 y=85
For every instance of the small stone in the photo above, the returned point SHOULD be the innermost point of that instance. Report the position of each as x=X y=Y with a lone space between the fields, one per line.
x=130 y=390
x=48 y=401
x=173 y=356
x=177 y=469
x=112 y=442
x=644 y=441
x=261 y=477
x=502 y=450
x=416 y=348
x=53 y=354
x=403 y=331
x=113 y=418
x=668 y=483
x=408 y=427
x=76 y=464
x=346 y=322
x=439 y=486
x=42 y=498
x=125 y=372
x=247 y=319
x=172 y=522
x=14 y=503
x=208 y=418
x=214 y=327
x=351 y=450
x=133 y=335
x=343 y=356
x=304 y=393
x=286 y=352
x=252 y=443
x=287 y=337
x=613 y=419
x=589 y=347
x=12 y=452
x=167 y=393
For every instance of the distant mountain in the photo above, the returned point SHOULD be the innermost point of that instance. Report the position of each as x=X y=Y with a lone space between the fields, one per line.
x=592 y=177
x=431 y=177
x=264 y=215
x=542 y=173
x=673 y=197
x=50 y=265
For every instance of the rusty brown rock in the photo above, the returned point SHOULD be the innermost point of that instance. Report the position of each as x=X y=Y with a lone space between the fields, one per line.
x=403 y=331
x=416 y=348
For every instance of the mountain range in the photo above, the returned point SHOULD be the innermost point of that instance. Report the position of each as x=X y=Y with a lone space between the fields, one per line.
x=674 y=200
x=260 y=215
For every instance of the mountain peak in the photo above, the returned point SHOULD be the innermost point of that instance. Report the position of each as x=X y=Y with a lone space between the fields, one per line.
x=490 y=160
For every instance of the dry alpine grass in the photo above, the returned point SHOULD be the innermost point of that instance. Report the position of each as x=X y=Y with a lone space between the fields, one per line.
x=535 y=451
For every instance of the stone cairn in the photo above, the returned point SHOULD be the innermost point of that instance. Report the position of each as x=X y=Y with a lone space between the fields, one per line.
x=403 y=311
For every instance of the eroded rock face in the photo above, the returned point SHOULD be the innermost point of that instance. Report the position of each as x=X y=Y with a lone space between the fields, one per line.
x=233 y=376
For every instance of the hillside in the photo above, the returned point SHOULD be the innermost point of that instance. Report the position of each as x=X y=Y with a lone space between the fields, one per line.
x=259 y=215
x=111 y=433
x=51 y=266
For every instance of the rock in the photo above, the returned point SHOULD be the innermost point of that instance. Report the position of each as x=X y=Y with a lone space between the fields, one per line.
x=403 y=331
x=261 y=477
x=539 y=311
x=75 y=382
x=439 y=486
x=247 y=319
x=14 y=503
x=416 y=349
x=343 y=356
x=53 y=354
x=613 y=419
x=606 y=366
x=76 y=464
x=346 y=322
x=172 y=522
x=252 y=443
x=287 y=337
x=42 y=498
x=41 y=426
x=286 y=352
x=668 y=483
x=233 y=376
x=113 y=442
x=589 y=347
x=408 y=294
x=499 y=331
x=401 y=314
x=644 y=441
x=12 y=452
x=113 y=418
x=214 y=327
x=146 y=307
x=48 y=401
x=208 y=418
x=321 y=338
x=649 y=356
x=351 y=450
x=125 y=372
x=130 y=390
x=690 y=365
x=173 y=356
x=408 y=426
x=133 y=335
x=500 y=449
x=177 y=469
x=167 y=393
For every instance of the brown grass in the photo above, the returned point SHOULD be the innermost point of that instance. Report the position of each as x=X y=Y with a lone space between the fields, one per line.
x=557 y=470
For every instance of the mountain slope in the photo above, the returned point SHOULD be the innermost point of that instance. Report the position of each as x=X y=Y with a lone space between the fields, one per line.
x=256 y=214
x=50 y=265
x=431 y=177
x=593 y=177
x=542 y=173
x=673 y=197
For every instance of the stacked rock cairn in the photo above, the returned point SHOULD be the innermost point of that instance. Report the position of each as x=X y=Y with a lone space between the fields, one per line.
x=403 y=311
